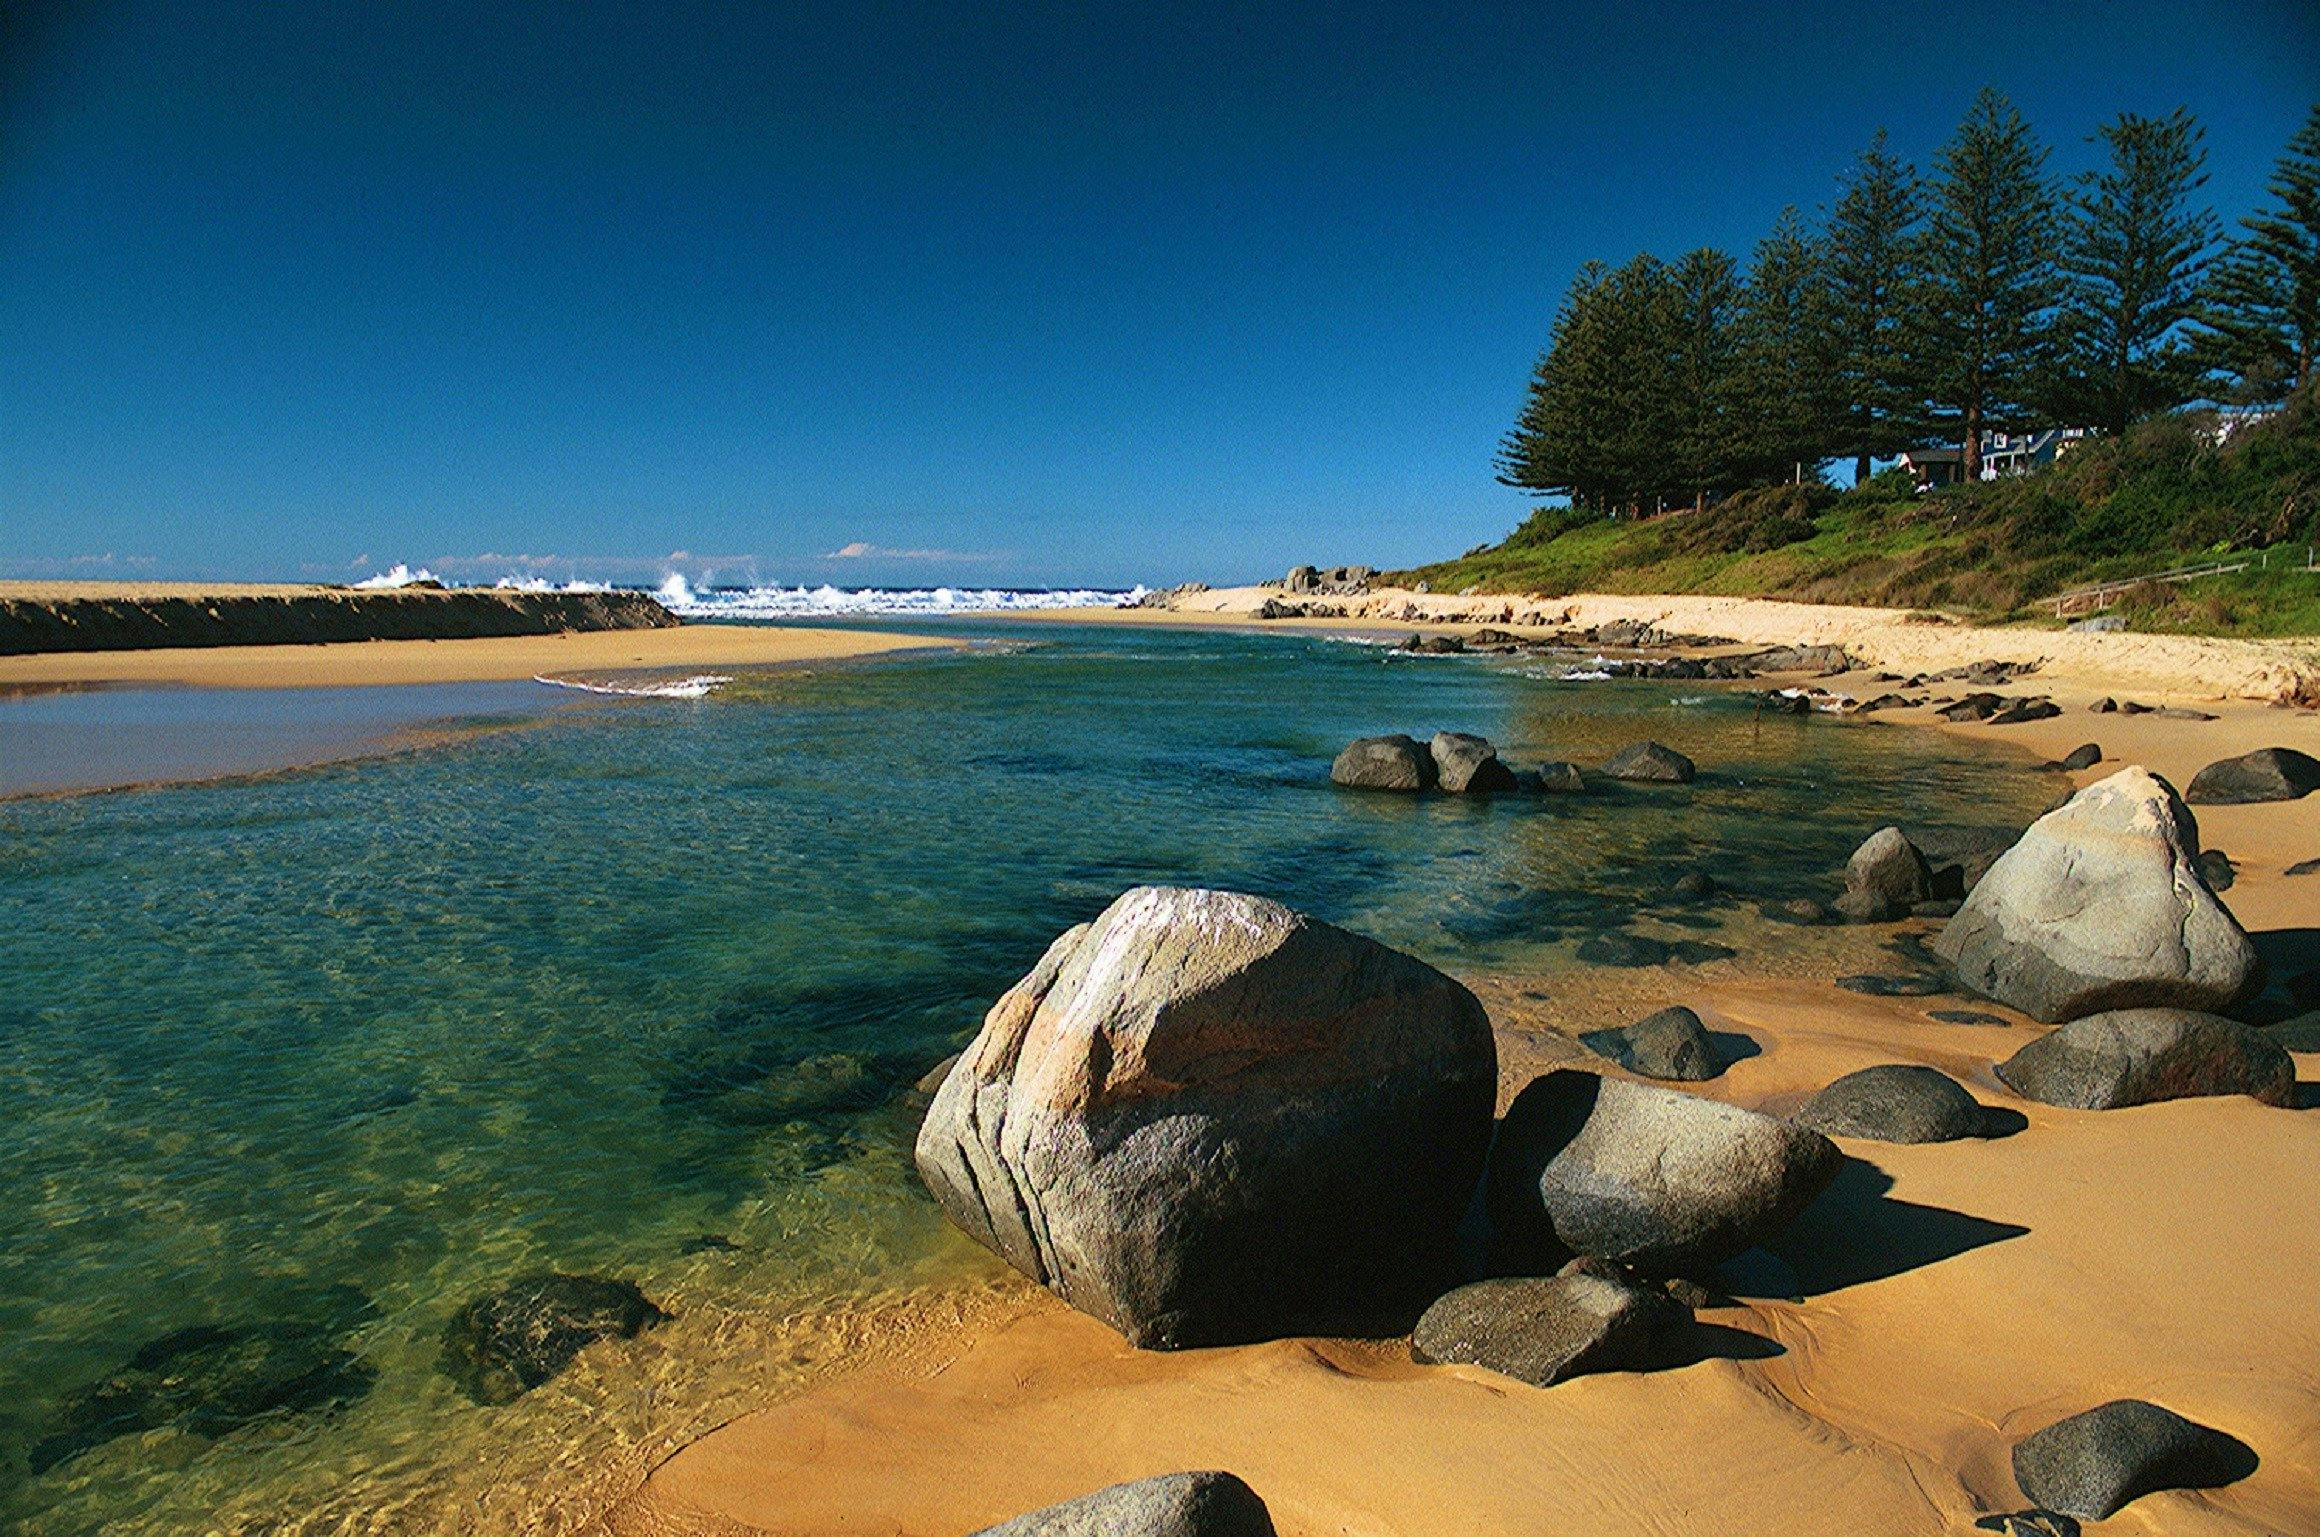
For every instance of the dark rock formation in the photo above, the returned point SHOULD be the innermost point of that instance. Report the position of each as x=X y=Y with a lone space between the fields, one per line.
x=311 y=615
x=1649 y=762
x=1670 y=1044
x=1560 y=779
x=1894 y=1103
x=505 y=1343
x=2138 y=1056
x=1885 y=878
x=1207 y=1119
x=2085 y=756
x=1172 y=1505
x=2267 y=774
x=2092 y=1464
x=1468 y=765
x=1544 y=1329
x=1384 y=763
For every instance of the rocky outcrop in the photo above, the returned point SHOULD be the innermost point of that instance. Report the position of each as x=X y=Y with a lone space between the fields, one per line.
x=1667 y=1183
x=2267 y=774
x=1649 y=762
x=2102 y=905
x=1885 y=878
x=1384 y=763
x=505 y=1343
x=1172 y=1505
x=1670 y=1044
x=1206 y=1119
x=1465 y=764
x=2091 y=1465
x=1544 y=1329
x=1894 y=1103
x=309 y=615
x=2138 y=1056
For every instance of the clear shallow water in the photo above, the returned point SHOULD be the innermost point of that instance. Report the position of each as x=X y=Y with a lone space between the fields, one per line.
x=586 y=995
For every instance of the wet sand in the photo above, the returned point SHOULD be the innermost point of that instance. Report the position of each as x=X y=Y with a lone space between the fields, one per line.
x=497 y=658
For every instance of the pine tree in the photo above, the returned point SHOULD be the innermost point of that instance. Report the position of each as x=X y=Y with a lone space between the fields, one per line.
x=1785 y=408
x=1868 y=276
x=2134 y=247
x=1701 y=307
x=2263 y=301
x=1551 y=451
x=1987 y=276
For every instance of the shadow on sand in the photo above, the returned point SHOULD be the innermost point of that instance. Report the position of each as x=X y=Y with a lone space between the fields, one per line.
x=1856 y=1232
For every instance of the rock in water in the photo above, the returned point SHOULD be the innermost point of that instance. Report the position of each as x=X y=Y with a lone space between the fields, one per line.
x=1894 y=1103
x=2092 y=1464
x=1650 y=762
x=1667 y=1183
x=1541 y=1330
x=1466 y=764
x=1885 y=878
x=505 y=1343
x=1172 y=1505
x=1383 y=763
x=2267 y=774
x=1207 y=1119
x=212 y=1379
x=2140 y=1056
x=2102 y=905
x=1671 y=1044
x=1561 y=778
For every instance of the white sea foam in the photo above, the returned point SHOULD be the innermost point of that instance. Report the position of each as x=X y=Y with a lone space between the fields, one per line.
x=542 y=584
x=777 y=602
x=399 y=575
x=699 y=686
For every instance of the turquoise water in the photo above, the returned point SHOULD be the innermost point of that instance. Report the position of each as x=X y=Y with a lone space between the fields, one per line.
x=640 y=990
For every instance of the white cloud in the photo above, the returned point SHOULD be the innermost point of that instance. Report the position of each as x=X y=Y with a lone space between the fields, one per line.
x=863 y=549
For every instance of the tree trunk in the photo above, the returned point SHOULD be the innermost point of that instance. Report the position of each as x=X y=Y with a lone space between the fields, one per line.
x=1970 y=446
x=1860 y=468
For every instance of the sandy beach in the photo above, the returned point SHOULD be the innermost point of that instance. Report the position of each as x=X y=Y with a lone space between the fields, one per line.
x=452 y=661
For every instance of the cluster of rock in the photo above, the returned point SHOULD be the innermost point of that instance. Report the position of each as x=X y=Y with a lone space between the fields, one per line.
x=2108 y=706
x=1997 y=709
x=1464 y=764
x=1169 y=597
x=1339 y=581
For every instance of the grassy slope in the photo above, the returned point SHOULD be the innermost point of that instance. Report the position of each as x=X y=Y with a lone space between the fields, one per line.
x=2159 y=497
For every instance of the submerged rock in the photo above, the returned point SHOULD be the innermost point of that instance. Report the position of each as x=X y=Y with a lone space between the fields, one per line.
x=1172 y=1505
x=212 y=1379
x=2091 y=1465
x=1468 y=765
x=1560 y=778
x=1670 y=1044
x=2139 y=1056
x=1383 y=763
x=2267 y=774
x=2102 y=905
x=1651 y=763
x=505 y=1343
x=1617 y=949
x=1208 y=1119
x=1894 y=1103
x=1544 y=1329
x=1885 y=878
x=1664 y=1182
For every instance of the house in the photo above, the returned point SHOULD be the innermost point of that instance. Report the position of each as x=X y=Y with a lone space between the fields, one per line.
x=2003 y=453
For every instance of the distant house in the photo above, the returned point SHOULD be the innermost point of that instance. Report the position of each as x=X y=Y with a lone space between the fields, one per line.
x=2003 y=453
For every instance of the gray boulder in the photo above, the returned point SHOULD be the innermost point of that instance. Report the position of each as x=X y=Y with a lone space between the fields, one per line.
x=1894 y=1103
x=2084 y=756
x=1383 y=763
x=1561 y=779
x=1649 y=762
x=2267 y=774
x=2102 y=905
x=1885 y=878
x=1172 y=1505
x=1671 y=1044
x=1207 y=1119
x=503 y=1344
x=1468 y=765
x=2140 y=1056
x=1543 y=1329
x=1663 y=1182
x=2092 y=1464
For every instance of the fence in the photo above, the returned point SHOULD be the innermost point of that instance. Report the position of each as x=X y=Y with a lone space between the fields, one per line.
x=2087 y=600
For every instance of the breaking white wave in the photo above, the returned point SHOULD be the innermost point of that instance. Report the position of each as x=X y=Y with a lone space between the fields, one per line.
x=542 y=584
x=399 y=575
x=700 y=686
x=776 y=602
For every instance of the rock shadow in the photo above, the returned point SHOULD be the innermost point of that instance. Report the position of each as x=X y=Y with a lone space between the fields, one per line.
x=1856 y=1233
x=1699 y=1341
x=1998 y=1122
x=1732 y=1046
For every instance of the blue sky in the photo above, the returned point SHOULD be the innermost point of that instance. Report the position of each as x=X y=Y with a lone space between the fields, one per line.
x=999 y=294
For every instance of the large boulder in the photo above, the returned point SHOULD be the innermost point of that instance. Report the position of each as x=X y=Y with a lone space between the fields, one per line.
x=1885 y=878
x=1543 y=1329
x=1671 y=1044
x=1172 y=1505
x=1894 y=1103
x=2267 y=774
x=1466 y=764
x=2139 y=1056
x=1207 y=1119
x=505 y=1343
x=2090 y=1465
x=1667 y=1183
x=1383 y=763
x=1649 y=762
x=2102 y=905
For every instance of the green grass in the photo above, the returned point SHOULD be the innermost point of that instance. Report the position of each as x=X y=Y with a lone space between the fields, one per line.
x=2161 y=496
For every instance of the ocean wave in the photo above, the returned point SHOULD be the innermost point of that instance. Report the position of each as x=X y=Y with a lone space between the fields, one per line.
x=542 y=584
x=776 y=602
x=699 y=686
x=399 y=575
